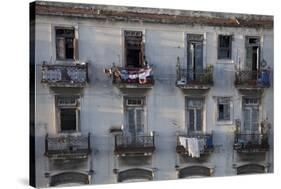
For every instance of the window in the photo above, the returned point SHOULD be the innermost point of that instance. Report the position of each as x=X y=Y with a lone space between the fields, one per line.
x=224 y=46
x=253 y=55
x=251 y=115
x=65 y=43
x=68 y=113
x=194 y=56
x=194 y=114
x=224 y=109
x=134 y=49
x=134 y=112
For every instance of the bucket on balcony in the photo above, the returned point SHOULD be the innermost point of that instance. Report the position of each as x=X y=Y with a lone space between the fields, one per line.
x=264 y=77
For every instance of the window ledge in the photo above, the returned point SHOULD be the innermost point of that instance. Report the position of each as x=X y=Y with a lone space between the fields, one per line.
x=225 y=61
x=67 y=61
x=222 y=123
x=74 y=133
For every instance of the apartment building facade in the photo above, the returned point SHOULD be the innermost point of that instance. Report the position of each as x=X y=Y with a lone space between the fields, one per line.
x=132 y=94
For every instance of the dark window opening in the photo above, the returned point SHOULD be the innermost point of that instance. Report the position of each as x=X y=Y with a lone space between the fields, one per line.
x=253 y=56
x=253 y=40
x=68 y=119
x=224 y=47
x=223 y=109
x=134 y=49
x=221 y=117
x=65 y=46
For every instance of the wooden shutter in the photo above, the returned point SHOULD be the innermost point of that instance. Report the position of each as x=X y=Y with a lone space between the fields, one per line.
x=142 y=58
x=140 y=121
x=190 y=61
x=60 y=47
x=131 y=121
x=249 y=57
x=247 y=120
x=199 y=120
x=75 y=49
x=226 y=111
x=191 y=115
x=198 y=51
x=255 y=119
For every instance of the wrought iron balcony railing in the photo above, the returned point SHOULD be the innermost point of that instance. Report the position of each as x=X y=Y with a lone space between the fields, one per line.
x=186 y=143
x=190 y=79
x=252 y=79
x=64 y=146
x=251 y=142
x=134 y=144
x=65 y=75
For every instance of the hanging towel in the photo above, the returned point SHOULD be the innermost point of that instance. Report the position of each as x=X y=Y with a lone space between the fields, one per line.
x=202 y=144
x=145 y=74
x=193 y=147
x=183 y=142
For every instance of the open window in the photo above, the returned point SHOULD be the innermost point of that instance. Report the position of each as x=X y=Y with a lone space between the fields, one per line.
x=134 y=49
x=224 y=46
x=194 y=56
x=67 y=113
x=65 y=43
x=253 y=55
x=224 y=109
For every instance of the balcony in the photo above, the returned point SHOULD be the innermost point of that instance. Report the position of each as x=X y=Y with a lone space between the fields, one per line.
x=134 y=145
x=249 y=143
x=136 y=78
x=188 y=79
x=68 y=146
x=65 y=75
x=252 y=79
x=195 y=145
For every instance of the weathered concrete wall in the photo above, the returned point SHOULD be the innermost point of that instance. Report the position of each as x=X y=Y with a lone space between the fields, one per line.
x=100 y=44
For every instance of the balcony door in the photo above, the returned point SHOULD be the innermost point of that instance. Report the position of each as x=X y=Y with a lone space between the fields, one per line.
x=194 y=115
x=253 y=56
x=251 y=116
x=135 y=121
x=134 y=113
x=194 y=56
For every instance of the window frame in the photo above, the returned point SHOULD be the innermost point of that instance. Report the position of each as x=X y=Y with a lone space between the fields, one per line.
x=231 y=111
x=59 y=107
x=223 y=103
x=74 y=43
x=142 y=48
x=187 y=126
x=229 y=48
x=255 y=104
x=135 y=108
